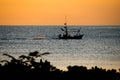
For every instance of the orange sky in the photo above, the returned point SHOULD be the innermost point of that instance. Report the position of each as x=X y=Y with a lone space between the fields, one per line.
x=52 y=12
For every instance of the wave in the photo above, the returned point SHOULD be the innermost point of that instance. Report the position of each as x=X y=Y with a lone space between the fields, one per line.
x=13 y=38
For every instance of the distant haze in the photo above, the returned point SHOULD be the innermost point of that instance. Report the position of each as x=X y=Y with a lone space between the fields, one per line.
x=52 y=12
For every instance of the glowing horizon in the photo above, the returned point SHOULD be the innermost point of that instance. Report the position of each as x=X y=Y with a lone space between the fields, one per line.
x=52 y=12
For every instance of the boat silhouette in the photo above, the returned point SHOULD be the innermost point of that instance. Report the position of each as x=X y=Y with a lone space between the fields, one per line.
x=67 y=35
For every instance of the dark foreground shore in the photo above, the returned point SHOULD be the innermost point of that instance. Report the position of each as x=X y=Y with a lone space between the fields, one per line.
x=27 y=68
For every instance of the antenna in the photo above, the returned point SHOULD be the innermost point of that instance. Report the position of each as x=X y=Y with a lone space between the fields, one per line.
x=65 y=21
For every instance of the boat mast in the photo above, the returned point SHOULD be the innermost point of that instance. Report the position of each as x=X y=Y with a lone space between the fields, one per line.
x=65 y=26
x=65 y=21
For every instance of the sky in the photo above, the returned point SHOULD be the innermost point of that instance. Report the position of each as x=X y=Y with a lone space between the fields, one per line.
x=53 y=12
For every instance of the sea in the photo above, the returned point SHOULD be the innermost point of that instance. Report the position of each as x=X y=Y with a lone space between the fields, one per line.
x=100 y=45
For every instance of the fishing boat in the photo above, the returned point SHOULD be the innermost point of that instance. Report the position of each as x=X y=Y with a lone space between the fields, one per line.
x=67 y=35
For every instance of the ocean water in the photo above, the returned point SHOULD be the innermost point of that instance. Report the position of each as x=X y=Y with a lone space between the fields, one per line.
x=100 y=45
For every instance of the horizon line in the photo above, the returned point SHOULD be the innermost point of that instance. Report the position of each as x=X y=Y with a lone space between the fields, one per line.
x=54 y=25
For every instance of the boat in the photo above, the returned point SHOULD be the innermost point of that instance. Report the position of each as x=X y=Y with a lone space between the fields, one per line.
x=67 y=35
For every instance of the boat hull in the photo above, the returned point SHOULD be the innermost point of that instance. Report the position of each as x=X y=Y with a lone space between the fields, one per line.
x=71 y=37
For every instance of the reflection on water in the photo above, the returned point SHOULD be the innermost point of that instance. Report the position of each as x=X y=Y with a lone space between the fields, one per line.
x=100 y=46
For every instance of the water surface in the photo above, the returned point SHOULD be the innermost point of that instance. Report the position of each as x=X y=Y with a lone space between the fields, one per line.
x=100 y=46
